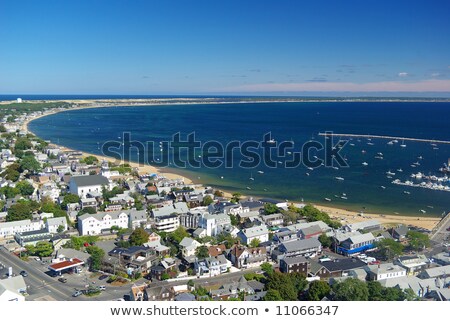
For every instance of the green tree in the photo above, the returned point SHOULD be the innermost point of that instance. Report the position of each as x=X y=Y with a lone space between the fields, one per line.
x=202 y=252
x=179 y=234
x=42 y=249
x=19 y=211
x=283 y=284
x=267 y=268
x=9 y=192
x=318 y=289
x=69 y=199
x=233 y=220
x=87 y=210
x=236 y=197
x=255 y=242
x=25 y=188
x=207 y=200
x=270 y=208
x=30 y=163
x=375 y=291
x=96 y=257
x=22 y=143
x=325 y=240
x=11 y=174
x=60 y=229
x=218 y=193
x=418 y=241
x=89 y=160
x=389 y=248
x=351 y=290
x=273 y=295
x=165 y=276
x=139 y=236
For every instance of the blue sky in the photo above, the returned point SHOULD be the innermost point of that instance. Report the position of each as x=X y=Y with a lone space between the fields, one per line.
x=225 y=47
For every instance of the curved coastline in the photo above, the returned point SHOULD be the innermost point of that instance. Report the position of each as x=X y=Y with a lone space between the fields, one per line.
x=348 y=216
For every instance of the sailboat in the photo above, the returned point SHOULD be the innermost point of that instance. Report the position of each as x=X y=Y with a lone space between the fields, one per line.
x=251 y=177
x=403 y=144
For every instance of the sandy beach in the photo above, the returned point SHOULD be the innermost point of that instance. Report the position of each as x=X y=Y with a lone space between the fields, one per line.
x=343 y=215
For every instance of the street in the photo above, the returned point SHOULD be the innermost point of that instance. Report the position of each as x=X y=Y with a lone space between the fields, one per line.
x=42 y=286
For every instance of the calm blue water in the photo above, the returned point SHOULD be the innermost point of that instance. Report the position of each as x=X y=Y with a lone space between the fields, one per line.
x=87 y=129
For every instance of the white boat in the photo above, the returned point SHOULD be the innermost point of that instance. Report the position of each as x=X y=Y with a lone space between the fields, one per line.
x=365 y=163
x=221 y=177
x=406 y=192
x=260 y=172
x=310 y=168
x=400 y=170
x=395 y=141
x=271 y=141
x=380 y=154
x=344 y=197
x=390 y=142
x=327 y=199
x=307 y=174
x=248 y=188
x=423 y=211
x=351 y=144
x=378 y=157
x=403 y=144
x=370 y=143
x=383 y=187
x=390 y=173
x=335 y=167
x=339 y=178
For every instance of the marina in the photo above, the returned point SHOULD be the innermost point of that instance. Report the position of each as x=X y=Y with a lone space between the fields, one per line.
x=393 y=138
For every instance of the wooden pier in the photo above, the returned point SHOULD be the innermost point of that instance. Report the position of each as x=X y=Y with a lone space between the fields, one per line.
x=433 y=141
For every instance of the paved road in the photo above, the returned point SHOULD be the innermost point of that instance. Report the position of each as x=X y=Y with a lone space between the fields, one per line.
x=42 y=286
x=442 y=235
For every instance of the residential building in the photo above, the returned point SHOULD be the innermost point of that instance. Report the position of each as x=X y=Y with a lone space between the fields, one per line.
x=188 y=247
x=259 y=232
x=310 y=231
x=211 y=266
x=95 y=224
x=414 y=264
x=273 y=219
x=9 y=229
x=384 y=271
x=364 y=226
x=305 y=247
x=214 y=223
x=243 y=257
x=135 y=258
x=32 y=237
x=297 y=264
x=82 y=185
x=54 y=223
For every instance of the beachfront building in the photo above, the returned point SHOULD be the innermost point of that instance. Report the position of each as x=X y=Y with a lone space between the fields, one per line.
x=84 y=184
x=95 y=224
x=307 y=247
x=356 y=244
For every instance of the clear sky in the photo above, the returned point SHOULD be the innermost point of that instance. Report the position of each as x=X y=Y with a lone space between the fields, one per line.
x=225 y=47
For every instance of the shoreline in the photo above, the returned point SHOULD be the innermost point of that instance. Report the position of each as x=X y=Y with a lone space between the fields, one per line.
x=343 y=215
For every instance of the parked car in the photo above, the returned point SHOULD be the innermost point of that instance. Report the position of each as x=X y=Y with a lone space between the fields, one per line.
x=102 y=277
x=24 y=273
x=77 y=293
x=62 y=280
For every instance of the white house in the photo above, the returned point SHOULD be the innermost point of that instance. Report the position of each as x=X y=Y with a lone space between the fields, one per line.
x=54 y=223
x=9 y=229
x=82 y=185
x=385 y=271
x=188 y=246
x=259 y=232
x=94 y=224
x=214 y=223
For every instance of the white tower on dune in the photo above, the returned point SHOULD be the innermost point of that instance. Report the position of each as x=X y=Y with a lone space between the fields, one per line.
x=19 y=100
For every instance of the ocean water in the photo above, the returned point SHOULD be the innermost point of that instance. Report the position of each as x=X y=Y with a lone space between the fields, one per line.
x=88 y=129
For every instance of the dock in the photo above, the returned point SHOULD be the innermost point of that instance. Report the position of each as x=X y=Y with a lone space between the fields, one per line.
x=423 y=140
